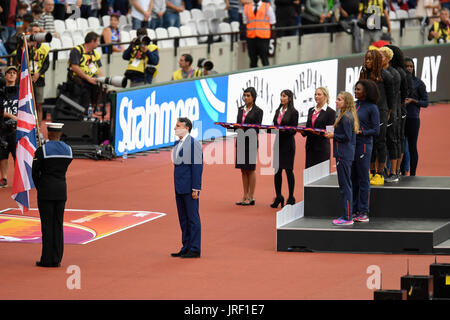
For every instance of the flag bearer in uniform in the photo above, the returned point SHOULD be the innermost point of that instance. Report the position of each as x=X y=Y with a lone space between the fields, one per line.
x=49 y=169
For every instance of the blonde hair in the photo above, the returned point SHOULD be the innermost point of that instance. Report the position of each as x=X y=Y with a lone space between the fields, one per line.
x=387 y=52
x=349 y=106
x=325 y=92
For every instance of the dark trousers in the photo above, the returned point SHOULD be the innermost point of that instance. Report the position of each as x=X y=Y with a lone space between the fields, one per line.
x=360 y=178
x=379 y=142
x=52 y=214
x=189 y=219
x=412 y=133
x=344 y=170
x=402 y=134
x=392 y=136
x=258 y=48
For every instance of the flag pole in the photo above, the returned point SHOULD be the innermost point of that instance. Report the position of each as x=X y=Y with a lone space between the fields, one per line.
x=32 y=91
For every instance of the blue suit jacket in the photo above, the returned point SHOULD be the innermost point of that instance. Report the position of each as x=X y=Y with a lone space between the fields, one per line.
x=188 y=168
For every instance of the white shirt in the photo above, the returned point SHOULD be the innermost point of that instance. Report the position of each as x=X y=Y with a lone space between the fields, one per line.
x=324 y=108
x=135 y=13
x=271 y=13
x=180 y=144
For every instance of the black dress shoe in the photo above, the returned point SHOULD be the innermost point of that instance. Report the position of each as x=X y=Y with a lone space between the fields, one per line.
x=191 y=254
x=277 y=201
x=291 y=201
x=47 y=265
x=178 y=254
x=249 y=203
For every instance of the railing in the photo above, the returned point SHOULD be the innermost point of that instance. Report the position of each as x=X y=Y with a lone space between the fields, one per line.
x=235 y=36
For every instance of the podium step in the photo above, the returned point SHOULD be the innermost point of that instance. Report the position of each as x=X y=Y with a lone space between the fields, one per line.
x=380 y=235
x=411 y=197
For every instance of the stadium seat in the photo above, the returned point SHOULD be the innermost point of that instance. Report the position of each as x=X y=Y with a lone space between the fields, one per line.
x=394 y=24
x=209 y=14
x=213 y=26
x=202 y=28
x=185 y=17
x=187 y=31
x=225 y=27
x=132 y=34
x=71 y=24
x=105 y=20
x=55 y=44
x=66 y=42
x=60 y=26
x=207 y=2
x=234 y=26
x=82 y=23
x=221 y=14
x=93 y=22
x=125 y=36
x=197 y=14
x=123 y=20
x=412 y=14
x=77 y=38
x=162 y=33
x=151 y=33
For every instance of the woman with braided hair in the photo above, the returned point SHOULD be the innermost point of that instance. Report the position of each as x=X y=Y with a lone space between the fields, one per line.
x=373 y=70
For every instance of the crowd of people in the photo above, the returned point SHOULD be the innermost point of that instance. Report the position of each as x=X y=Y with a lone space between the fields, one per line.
x=374 y=137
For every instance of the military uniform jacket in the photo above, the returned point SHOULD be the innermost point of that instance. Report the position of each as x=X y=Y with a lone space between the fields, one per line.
x=50 y=165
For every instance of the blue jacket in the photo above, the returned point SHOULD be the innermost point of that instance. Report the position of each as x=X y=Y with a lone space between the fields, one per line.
x=188 y=167
x=420 y=94
x=344 y=141
x=369 y=121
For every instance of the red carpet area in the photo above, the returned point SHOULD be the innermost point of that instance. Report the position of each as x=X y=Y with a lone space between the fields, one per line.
x=131 y=259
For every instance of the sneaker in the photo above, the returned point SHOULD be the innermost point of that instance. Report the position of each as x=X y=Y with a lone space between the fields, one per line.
x=378 y=180
x=362 y=217
x=3 y=183
x=342 y=222
x=391 y=178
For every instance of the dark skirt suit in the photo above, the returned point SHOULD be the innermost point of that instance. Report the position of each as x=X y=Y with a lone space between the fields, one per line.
x=285 y=141
x=317 y=147
x=255 y=116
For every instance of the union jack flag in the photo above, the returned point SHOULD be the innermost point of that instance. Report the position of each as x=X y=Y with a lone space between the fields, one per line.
x=26 y=139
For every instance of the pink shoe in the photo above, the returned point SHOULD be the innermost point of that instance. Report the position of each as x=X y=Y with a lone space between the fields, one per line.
x=342 y=222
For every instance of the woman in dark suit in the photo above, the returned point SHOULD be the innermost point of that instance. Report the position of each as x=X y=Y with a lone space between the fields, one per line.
x=284 y=147
x=318 y=147
x=247 y=145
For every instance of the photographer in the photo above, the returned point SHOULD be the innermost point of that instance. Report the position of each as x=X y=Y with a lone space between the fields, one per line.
x=440 y=31
x=84 y=68
x=204 y=68
x=143 y=57
x=9 y=100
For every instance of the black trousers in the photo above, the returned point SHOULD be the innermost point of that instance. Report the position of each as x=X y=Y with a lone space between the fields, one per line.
x=379 y=150
x=258 y=48
x=52 y=214
x=412 y=133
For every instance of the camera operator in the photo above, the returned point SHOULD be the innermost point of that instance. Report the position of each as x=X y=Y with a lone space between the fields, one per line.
x=440 y=30
x=204 y=68
x=143 y=57
x=84 y=68
x=39 y=63
x=9 y=100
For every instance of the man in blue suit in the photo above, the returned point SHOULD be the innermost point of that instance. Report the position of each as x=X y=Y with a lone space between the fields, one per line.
x=188 y=160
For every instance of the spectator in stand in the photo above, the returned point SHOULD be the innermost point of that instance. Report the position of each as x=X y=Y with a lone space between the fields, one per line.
x=172 y=15
x=85 y=8
x=95 y=7
x=427 y=8
x=141 y=11
x=121 y=5
x=316 y=12
x=37 y=12
x=111 y=34
x=47 y=21
x=59 y=12
x=286 y=16
x=8 y=18
x=396 y=5
x=22 y=9
x=445 y=4
x=349 y=9
x=193 y=4
x=440 y=30
x=159 y=7
x=374 y=32
x=233 y=7
x=3 y=52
